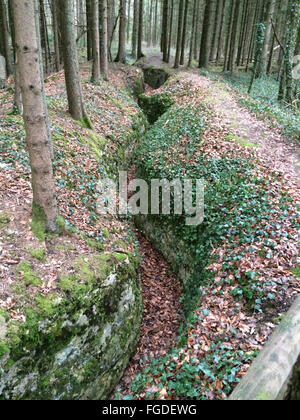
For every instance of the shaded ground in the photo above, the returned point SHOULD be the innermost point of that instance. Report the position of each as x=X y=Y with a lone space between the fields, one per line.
x=161 y=297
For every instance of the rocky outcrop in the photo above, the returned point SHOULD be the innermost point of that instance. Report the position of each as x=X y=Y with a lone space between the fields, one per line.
x=76 y=345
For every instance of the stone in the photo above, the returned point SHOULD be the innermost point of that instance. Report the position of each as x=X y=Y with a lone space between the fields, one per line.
x=155 y=77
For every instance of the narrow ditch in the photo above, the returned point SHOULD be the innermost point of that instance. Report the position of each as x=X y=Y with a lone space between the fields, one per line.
x=161 y=289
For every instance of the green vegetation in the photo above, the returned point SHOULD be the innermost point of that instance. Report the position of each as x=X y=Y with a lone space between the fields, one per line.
x=155 y=106
x=263 y=101
x=240 y=209
x=39 y=254
x=30 y=278
x=38 y=225
x=4 y=219
x=296 y=271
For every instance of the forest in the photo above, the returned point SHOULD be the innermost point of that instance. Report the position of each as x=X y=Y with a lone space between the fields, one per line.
x=149 y=200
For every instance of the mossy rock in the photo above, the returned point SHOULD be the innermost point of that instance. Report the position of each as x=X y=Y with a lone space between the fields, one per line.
x=155 y=106
x=76 y=341
x=156 y=77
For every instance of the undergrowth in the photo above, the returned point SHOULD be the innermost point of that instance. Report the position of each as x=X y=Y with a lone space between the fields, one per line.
x=240 y=209
x=263 y=101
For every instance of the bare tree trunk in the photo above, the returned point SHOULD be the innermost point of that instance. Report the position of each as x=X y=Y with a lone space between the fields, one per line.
x=165 y=30
x=43 y=184
x=96 y=42
x=140 y=32
x=266 y=49
x=206 y=38
x=122 y=33
x=71 y=64
x=103 y=42
x=4 y=32
x=179 y=34
x=56 y=36
x=183 y=41
x=193 y=34
x=135 y=28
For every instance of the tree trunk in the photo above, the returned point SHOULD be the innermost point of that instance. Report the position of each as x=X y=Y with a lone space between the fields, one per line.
x=165 y=30
x=135 y=28
x=122 y=33
x=179 y=34
x=140 y=33
x=193 y=34
x=71 y=64
x=4 y=32
x=205 y=40
x=96 y=42
x=184 y=30
x=32 y=86
x=103 y=41
x=266 y=48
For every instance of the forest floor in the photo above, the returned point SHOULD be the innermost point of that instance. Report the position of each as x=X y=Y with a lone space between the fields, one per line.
x=233 y=130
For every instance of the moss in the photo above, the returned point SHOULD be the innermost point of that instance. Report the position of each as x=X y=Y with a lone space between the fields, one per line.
x=119 y=256
x=4 y=219
x=156 y=77
x=39 y=254
x=4 y=314
x=97 y=144
x=38 y=225
x=30 y=278
x=85 y=123
x=4 y=349
x=155 y=106
x=46 y=304
x=68 y=247
x=94 y=244
x=106 y=233
x=242 y=142
x=296 y=271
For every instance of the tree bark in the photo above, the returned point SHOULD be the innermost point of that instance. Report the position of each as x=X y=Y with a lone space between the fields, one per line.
x=122 y=33
x=140 y=32
x=96 y=42
x=71 y=64
x=35 y=112
x=205 y=40
x=4 y=32
x=184 y=30
x=179 y=34
x=103 y=41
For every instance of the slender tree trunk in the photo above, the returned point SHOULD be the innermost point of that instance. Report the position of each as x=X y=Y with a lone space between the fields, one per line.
x=56 y=36
x=193 y=34
x=179 y=34
x=122 y=30
x=140 y=32
x=266 y=49
x=184 y=30
x=135 y=28
x=165 y=30
x=103 y=41
x=71 y=64
x=170 y=31
x=96 y=42
x=4 y=32
x=89 y=24
x=31 y=79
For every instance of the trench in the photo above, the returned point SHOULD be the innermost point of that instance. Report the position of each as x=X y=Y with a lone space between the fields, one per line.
x=161 y=289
